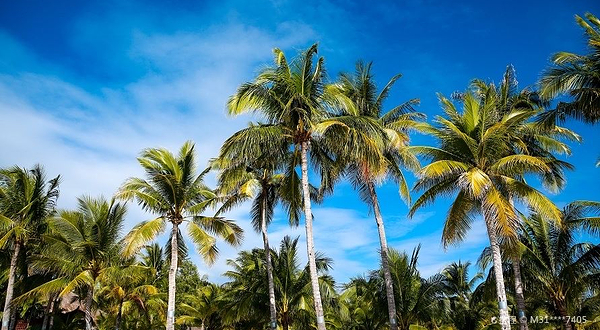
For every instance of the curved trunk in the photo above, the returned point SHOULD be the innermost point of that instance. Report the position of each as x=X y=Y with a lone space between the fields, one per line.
x=89 y=299
x=310 y=245
x=172 y=276
x=499 y=276
x=10 y=287
x=387 y=275
x=263 y=228
x=516 y=265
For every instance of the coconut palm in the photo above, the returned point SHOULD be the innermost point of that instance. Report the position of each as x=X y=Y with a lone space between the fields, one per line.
x=26 y=200
x=561 y=270
x=477 y=161
x=469 y=310
x=536 y=140
x=247 y=293
x=576 y=75
x=360 y=305
x=202 y=309
x=126 y=287
x=82 y=245
x=176 y=194
x=365 y=173
x=266 y=189
x=419 y=301
x=297 y=108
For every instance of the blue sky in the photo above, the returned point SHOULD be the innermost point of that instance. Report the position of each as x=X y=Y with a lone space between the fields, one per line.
x=84 y=86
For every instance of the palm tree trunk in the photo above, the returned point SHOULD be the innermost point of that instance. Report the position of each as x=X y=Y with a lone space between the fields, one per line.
x=310 y=245
x=51 y=321
x=119 y=316
x=387 y=275
x=172 y=275
x=49 y=314
x=497 y=258
x=10 y=287
x=89 y=323
x=263 y=228
x=563 y=313
x=516 y=265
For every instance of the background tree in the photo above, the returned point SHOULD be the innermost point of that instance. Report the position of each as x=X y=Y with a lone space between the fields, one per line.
x=26 y=200
x=563 y=272
x=82 y=245
x=246 y=290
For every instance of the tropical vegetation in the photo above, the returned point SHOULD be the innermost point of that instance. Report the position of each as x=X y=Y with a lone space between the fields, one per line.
x=494 y=150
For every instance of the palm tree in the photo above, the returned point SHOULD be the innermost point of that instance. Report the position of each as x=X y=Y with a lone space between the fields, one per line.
x=468 y=310
x=267 y=189
x=531 y=139
x=371 y=167
x=202 y=309
x=26 y=200
x=128 y=286
x=476 y=159
x=561 y=270
x=576 y=75
x=360 y=305
x=176 y=194
x=298 y=109
x=292 y=284
x=82 y=245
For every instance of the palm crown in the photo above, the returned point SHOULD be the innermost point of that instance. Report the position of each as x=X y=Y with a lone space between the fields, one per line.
x=175 y=193
x=477 y=159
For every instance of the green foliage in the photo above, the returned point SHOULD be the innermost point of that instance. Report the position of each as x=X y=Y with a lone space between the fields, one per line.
x=576 y=75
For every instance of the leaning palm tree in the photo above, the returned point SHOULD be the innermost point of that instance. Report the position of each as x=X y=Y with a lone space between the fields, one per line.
x=267 y=189
x=82 y=245
x=26 y=200
x=576 y=75
x=298 y=109
x=176 y=194
x=562 y=271
x=476 y=160
x=366 y=172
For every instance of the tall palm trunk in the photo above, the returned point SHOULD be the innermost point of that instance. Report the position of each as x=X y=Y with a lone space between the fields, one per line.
x=119 y=316
x=497 y=258
x=263 y=228
x=516 y=265
x=310 y=245
x=172 y=276
x=387 y=275
x=89 y=299
x=10 y=287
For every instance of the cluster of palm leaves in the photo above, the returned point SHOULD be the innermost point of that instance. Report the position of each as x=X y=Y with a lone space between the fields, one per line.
x=497 y=150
